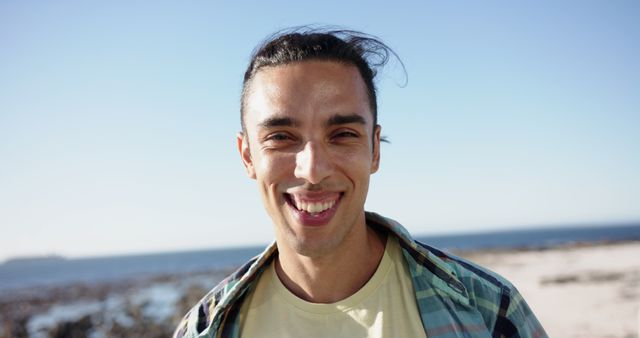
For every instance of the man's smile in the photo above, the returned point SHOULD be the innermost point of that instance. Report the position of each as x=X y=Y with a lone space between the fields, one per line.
x=313 y=208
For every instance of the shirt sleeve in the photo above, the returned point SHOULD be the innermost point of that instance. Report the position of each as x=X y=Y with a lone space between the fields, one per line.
x=515 y=317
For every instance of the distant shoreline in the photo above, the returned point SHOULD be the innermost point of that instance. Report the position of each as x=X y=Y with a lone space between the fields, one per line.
x=44 y=282
x=506 y=238
x=34 y=259
x=53 y=269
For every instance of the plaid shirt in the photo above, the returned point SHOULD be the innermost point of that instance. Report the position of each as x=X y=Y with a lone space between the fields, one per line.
x=455 y=298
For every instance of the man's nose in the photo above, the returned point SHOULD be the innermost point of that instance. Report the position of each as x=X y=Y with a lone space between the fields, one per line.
x=313 y=163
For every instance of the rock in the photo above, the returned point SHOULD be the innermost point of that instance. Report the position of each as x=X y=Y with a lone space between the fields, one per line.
x=72 y=329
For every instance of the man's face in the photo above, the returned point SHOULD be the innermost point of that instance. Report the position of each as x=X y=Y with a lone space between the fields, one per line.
x=309 y=145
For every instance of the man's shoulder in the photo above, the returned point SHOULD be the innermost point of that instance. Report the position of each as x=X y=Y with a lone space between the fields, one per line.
x=496 y=299
x=428 y=260
x=201 y=315
x=442 y=279
x=206 y=313
x=473 y=276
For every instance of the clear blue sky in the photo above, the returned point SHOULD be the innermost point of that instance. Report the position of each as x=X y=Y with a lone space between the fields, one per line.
x=118 y=118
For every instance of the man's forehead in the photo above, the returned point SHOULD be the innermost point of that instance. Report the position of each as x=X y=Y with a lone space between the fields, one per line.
x=322 y=91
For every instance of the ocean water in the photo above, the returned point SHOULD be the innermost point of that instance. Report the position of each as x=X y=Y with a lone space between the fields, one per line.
x=535 y=238
x=28 y=274
x=58 y=272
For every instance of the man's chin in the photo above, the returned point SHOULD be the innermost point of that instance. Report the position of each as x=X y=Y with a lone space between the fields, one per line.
x=312 y=242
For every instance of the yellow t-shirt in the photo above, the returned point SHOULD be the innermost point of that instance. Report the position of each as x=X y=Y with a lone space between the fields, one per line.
x=384 y=307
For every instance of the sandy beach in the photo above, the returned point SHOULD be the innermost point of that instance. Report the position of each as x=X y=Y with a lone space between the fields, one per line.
x=577 y=291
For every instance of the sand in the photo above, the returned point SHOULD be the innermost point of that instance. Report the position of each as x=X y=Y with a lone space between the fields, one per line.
x=578 y=291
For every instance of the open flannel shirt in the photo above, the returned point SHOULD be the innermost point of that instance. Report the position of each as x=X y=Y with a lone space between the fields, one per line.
x=455 y=298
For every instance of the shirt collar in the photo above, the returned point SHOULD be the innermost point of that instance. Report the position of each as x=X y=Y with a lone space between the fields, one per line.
x=428 y=257
x=235 y=286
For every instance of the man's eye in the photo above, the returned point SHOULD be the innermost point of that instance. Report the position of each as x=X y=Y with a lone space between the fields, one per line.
x=345 y=133
x=278 y=137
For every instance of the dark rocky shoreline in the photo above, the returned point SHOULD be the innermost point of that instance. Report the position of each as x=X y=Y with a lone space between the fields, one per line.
x=107 y=309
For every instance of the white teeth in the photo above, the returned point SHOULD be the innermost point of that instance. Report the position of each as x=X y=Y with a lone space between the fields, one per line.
x=314 y=207
x=311 y=207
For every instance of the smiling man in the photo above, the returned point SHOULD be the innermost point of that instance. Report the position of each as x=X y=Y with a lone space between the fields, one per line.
x=311 y=140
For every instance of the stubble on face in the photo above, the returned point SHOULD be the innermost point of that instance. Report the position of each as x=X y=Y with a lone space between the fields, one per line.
x=308 y=247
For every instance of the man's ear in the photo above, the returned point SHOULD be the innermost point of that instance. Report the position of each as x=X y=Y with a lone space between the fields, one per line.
x=245 y=154
x=375 y=164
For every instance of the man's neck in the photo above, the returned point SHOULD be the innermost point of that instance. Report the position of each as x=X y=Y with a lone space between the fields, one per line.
x=335 y=276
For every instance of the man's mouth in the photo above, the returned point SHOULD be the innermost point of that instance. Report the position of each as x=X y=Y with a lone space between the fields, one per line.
x=313 y=209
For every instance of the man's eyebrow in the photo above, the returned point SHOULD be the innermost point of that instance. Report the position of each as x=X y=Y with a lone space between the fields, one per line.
x=278 y=122
x=345 y=119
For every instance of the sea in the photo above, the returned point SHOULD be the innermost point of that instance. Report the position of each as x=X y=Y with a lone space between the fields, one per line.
x=56 y=271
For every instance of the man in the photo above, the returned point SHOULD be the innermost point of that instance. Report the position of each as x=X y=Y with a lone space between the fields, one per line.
x=311 y=140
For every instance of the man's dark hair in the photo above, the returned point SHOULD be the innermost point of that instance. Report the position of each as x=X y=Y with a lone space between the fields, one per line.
x=364 y=51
